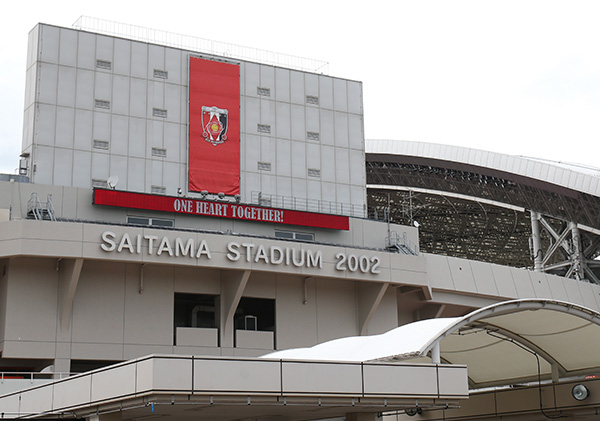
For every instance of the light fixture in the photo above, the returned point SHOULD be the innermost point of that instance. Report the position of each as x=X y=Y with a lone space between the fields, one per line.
x=580 y=392
x=238 y=198
x=416 y=224
x=221 y=195
x=204 y=193
x=411 y=412
x=179 y=191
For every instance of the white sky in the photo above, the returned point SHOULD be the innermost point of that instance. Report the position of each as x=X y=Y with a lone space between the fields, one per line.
x=519 y=77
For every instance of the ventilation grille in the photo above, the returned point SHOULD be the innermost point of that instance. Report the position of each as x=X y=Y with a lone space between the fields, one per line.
x=161 y=74
x=313 y=172
x=160 y=152
x=158 y=190
x=263 y=91
x=103 y=64
x=312 y=135
x=100 y=144
x=264 y=166
x=99 y=183
x=101 y=103
x=159 y=112
x=263 y=128
x=314 y=100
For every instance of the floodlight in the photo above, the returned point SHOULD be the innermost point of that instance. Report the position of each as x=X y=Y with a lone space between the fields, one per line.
x=580 y=392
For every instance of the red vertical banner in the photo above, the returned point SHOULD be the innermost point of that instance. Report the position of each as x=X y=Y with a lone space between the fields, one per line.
x=214 y=132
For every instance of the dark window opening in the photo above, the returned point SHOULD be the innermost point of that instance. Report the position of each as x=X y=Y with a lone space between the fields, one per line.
x=196 y=310
x=255 y=314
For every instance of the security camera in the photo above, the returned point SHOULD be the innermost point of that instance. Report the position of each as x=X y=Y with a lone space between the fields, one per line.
x=179 y=191
x=411 y=412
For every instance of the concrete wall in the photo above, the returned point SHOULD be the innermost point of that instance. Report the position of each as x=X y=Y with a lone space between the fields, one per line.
x=62 y=120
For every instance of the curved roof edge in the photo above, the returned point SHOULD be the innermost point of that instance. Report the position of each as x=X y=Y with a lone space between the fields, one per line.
x=580 y=178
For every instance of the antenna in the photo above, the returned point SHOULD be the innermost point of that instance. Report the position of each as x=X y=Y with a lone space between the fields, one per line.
x=112 y=181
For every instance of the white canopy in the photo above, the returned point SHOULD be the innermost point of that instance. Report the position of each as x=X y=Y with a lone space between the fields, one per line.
x=500 y=344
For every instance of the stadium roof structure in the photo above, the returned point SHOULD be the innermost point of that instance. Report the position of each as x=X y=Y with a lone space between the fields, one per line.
x=487 y=206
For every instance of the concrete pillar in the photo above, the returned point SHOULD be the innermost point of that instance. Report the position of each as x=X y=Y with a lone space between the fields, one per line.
x=62 y=366
x=536 y=242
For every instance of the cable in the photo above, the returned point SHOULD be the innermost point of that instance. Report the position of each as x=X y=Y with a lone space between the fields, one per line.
x=539 y=372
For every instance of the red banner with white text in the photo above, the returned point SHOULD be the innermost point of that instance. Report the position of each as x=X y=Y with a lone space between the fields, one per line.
x=214 y=132
x=218 y=209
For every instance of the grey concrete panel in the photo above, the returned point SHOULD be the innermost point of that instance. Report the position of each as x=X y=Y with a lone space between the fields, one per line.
x=65 y=124
x=340 y=95
x=82 y=169
x=540 y=285
x=172 y=179
x=174 y=61
x=66 y=86
x=267 y=183
x=299 y=161
x=70 y=393
x=67 y=55
x=139 y=60
x=258 y=340
x=355 y=100
x=313 y=190
x=326 y=92
x=328 y=168
x=439 y=272
x=318 y=378
x=154 y=136
x=85 y=90
x=357 y=168
x=267 y=113
x=283 y=128
x=101 y=126
x=573 y=293
x=47 y=83
x=156 y=59
x=356 y=136
x=173 y=102
x=118 y=381
x=267 y=78
x=343 y=194
x=103 y=86
x=120 y=95
x=284 y=186
x=45 y=168
x=297 y=87
x=341 y=130
x=312 y=120
x=63 y=165
x=33 y=39
x=335 y=320
x=83 y=129
x=558 y=290
x=484 y=278
x=86 y=51
x=251 y=114
x=523 y=284
x=138 y=98
x=119 y=129
x=342 y=168
x=504 y=281
x=140 y=326
x=35 y=401
x=258 y=376
x=252 y=152
x=462 y=276
x=50 y=41
x=137 y=138
x=156 y=96
x=104 y=47
x=419 y=380
x=121 y=57
x=313 y=156
x=118 y=167
x=284 y=158
x=268 y=152
x=251 y=76
x=45 y=125
x=282 y=84
x=298 y=123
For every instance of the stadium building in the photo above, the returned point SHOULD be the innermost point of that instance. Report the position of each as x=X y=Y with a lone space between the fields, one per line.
x=200 y=235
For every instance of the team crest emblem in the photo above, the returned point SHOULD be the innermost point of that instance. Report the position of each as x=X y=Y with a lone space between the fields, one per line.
x=214 y=124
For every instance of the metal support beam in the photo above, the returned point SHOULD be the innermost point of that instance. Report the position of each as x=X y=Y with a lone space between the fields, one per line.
x=536 y=242
x=68 y=276
x=369 y=298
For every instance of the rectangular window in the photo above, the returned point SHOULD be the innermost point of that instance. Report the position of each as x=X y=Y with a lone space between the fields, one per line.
x=290 y=235
x=314 y=100
x=159 y=112
x=161 y=74
x=160 y=152
x=263 y=128
x=100 y=144
x=103 y=64
x=264 y=166
x=157 y=222
x=195 y=311
x=102 y=103
x=158 y=190
x=313 y=135
x=263 y=91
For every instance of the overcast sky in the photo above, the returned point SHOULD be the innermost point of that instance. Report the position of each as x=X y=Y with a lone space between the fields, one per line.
x=518 y=77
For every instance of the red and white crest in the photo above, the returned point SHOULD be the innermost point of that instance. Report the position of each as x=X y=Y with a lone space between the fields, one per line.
x=214 y=124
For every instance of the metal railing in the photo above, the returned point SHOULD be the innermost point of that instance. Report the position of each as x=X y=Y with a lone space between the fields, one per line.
x=208 y=46
x=307 y=205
